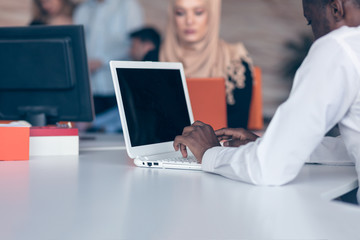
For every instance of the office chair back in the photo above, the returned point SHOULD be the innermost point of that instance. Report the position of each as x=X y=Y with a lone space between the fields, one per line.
x=208 y=100
x=256 y=120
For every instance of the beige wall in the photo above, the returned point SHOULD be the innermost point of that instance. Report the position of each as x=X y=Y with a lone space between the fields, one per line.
x=263 y=25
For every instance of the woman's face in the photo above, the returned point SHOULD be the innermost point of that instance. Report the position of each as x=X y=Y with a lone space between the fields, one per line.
x=52 y=7
x=191 y=20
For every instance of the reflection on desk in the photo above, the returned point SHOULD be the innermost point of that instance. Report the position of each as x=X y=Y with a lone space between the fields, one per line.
x=100 y=142
x=102 y=195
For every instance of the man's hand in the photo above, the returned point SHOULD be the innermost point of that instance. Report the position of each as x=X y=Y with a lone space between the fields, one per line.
x=198 y=137
x=235 y=137
x=94 y=65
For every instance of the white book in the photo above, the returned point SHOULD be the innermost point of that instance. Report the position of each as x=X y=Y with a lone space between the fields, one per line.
x=53 y=141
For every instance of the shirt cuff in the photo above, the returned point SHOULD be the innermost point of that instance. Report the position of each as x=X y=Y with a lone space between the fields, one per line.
x=209 y=159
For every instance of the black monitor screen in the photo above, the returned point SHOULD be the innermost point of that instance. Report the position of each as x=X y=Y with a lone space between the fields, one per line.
x=44 y=75
x=154 y=104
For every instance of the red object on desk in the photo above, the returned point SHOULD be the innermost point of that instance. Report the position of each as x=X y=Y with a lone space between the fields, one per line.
x=53 y=131
x=14 y=143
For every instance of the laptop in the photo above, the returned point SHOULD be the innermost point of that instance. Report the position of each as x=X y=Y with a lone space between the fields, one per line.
x=154 y=107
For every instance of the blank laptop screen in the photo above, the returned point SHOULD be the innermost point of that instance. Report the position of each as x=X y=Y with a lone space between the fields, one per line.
x=154 y=103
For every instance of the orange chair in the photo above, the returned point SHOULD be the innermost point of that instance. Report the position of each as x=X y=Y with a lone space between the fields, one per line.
x=256 y=120
x=208 y=100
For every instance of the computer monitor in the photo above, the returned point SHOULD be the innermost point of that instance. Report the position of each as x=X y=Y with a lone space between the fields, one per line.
x=44 y=75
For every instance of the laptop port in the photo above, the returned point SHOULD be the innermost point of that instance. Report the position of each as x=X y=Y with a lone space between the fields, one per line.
x=149 y=164
x=156 y=164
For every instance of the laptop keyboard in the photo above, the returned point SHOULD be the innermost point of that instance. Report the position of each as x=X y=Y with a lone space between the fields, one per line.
x=167 y=160
x=180 y=160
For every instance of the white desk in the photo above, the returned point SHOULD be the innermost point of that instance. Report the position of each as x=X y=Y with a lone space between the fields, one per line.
x=101 y=195
x=101 y=142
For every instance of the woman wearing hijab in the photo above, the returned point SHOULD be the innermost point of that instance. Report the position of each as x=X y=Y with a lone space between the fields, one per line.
x=192 y=37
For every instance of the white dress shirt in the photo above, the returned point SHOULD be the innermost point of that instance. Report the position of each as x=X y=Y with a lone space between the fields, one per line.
x=107 y=26
x=326 y=91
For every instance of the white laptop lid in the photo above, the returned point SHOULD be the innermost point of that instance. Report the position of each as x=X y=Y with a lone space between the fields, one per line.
x=154 y=105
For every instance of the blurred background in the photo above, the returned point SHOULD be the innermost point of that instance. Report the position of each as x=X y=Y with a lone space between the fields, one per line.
x=274 y=32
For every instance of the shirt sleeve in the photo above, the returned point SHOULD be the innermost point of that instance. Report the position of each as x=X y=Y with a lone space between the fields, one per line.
x=321 y=95
x=126 y=16
x=331 y=151
x=135 y=18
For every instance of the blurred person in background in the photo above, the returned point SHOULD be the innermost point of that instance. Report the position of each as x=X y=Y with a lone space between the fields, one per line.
x=52 y=12
x=192 y=37
x=107 y=25
x=145 y=44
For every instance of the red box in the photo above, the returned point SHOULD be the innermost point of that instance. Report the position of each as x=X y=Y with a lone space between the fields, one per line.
x=53 y=131
x=14 y=143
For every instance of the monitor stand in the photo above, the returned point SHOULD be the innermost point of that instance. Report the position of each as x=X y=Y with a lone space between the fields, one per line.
x=36 y=119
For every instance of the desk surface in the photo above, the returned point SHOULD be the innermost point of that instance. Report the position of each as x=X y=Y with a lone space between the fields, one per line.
x=100 y=195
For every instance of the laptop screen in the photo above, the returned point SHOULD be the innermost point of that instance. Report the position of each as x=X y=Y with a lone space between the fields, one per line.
x=154 y=104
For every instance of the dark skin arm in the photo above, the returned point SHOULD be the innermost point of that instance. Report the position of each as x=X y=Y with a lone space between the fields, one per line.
x=199 y=137
x=235 y=137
